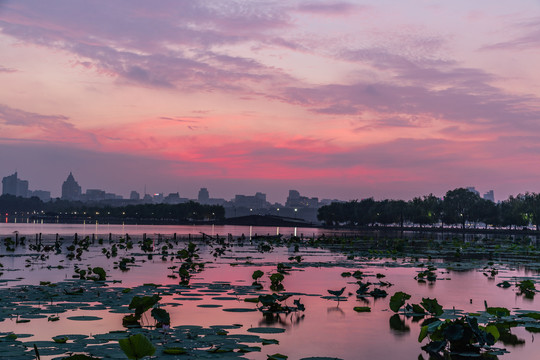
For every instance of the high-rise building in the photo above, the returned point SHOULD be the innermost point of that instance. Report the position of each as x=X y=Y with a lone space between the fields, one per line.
x=14 y=186
x=71 y=189
x=294 y=200
x=489 y=195
x=134 y=195
x=204 y=196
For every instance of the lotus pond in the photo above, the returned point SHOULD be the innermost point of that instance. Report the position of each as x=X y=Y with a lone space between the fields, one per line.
x=268 y=297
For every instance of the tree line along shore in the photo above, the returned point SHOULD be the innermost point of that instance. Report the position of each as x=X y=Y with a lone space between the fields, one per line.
x=458 y=208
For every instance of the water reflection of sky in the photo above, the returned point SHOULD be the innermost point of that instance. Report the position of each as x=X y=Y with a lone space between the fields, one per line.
x=103 y=230
x=326 y=328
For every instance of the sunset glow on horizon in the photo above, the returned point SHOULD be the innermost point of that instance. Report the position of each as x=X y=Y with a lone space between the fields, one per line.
x=337 y=99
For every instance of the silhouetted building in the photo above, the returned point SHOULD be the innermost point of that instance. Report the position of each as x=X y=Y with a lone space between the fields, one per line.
x=489 y=195
x=157 y=198
x=95 y=195
x=204 y=196
x=134 y=195
x=70 y=189
x=253 y=202
x=294 y=200
x=329 y=201
x=205 y=199
x=473 y=190
x=44 y=196
x=14 y=186
x=174 y=198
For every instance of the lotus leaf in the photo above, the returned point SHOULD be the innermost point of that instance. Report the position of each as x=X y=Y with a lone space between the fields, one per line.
x=498 y=311
x=144 y=303
x=60 y=339
x=270 y=342
x=174 y=351
x=100 y=272
x=277 y=356
x=398 y=300
x=266 y=330
x=362 y=309
x=432 y=306
x=161 y=316
x=137 y=346
x=532 y=315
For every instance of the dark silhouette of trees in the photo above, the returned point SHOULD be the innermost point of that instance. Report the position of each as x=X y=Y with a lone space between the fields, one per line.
x=458 y=207
x=425 y=211
x=69 y=210
x=513 y=211
x=331 y=214
x=532 y=207
x=12 y=203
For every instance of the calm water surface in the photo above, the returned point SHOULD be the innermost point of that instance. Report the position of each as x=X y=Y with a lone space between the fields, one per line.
x=325 y=328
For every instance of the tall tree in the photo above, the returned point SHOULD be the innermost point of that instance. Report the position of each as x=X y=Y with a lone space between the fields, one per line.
x=459 y=206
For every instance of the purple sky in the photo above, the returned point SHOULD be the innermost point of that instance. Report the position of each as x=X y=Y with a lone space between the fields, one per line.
x=337 y=99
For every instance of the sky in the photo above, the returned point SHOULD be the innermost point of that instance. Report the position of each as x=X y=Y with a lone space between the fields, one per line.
x=389 y=99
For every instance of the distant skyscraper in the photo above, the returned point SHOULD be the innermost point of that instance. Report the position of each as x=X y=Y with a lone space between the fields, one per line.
x=294 y=200
x=14 y=186
x=489 y=196
x=473 y=190
x=71 y=189
x=204 y=196
x=134 y=195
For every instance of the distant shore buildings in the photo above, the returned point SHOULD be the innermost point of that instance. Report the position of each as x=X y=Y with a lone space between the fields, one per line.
x=489 y=195
x=296 y=205
x=12 y=185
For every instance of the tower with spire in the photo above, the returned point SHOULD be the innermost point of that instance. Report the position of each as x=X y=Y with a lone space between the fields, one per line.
x=71 y=190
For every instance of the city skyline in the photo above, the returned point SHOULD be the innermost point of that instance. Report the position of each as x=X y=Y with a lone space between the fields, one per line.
x=336 y=99
x=71 y=190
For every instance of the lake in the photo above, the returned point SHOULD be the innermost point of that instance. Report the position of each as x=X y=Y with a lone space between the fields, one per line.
x=209 y=315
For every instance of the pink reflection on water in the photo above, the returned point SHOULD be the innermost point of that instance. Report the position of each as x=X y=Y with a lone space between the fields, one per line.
x=326 y=328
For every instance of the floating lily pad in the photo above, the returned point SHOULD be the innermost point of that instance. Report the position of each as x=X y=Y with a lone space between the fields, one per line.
x=188 y=327
x=209 y=306
x=84 y=318
x=225 y=326
x=266 y=330
x=96 y=307
x=362 y=309
x=113 y=335
x=226 y=298
x=239 y=310
x=123 y=310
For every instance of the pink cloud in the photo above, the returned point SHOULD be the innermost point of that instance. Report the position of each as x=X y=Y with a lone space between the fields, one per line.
x=7 y=70
x=330 y=8
x=529 y=37
x=52 y=128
